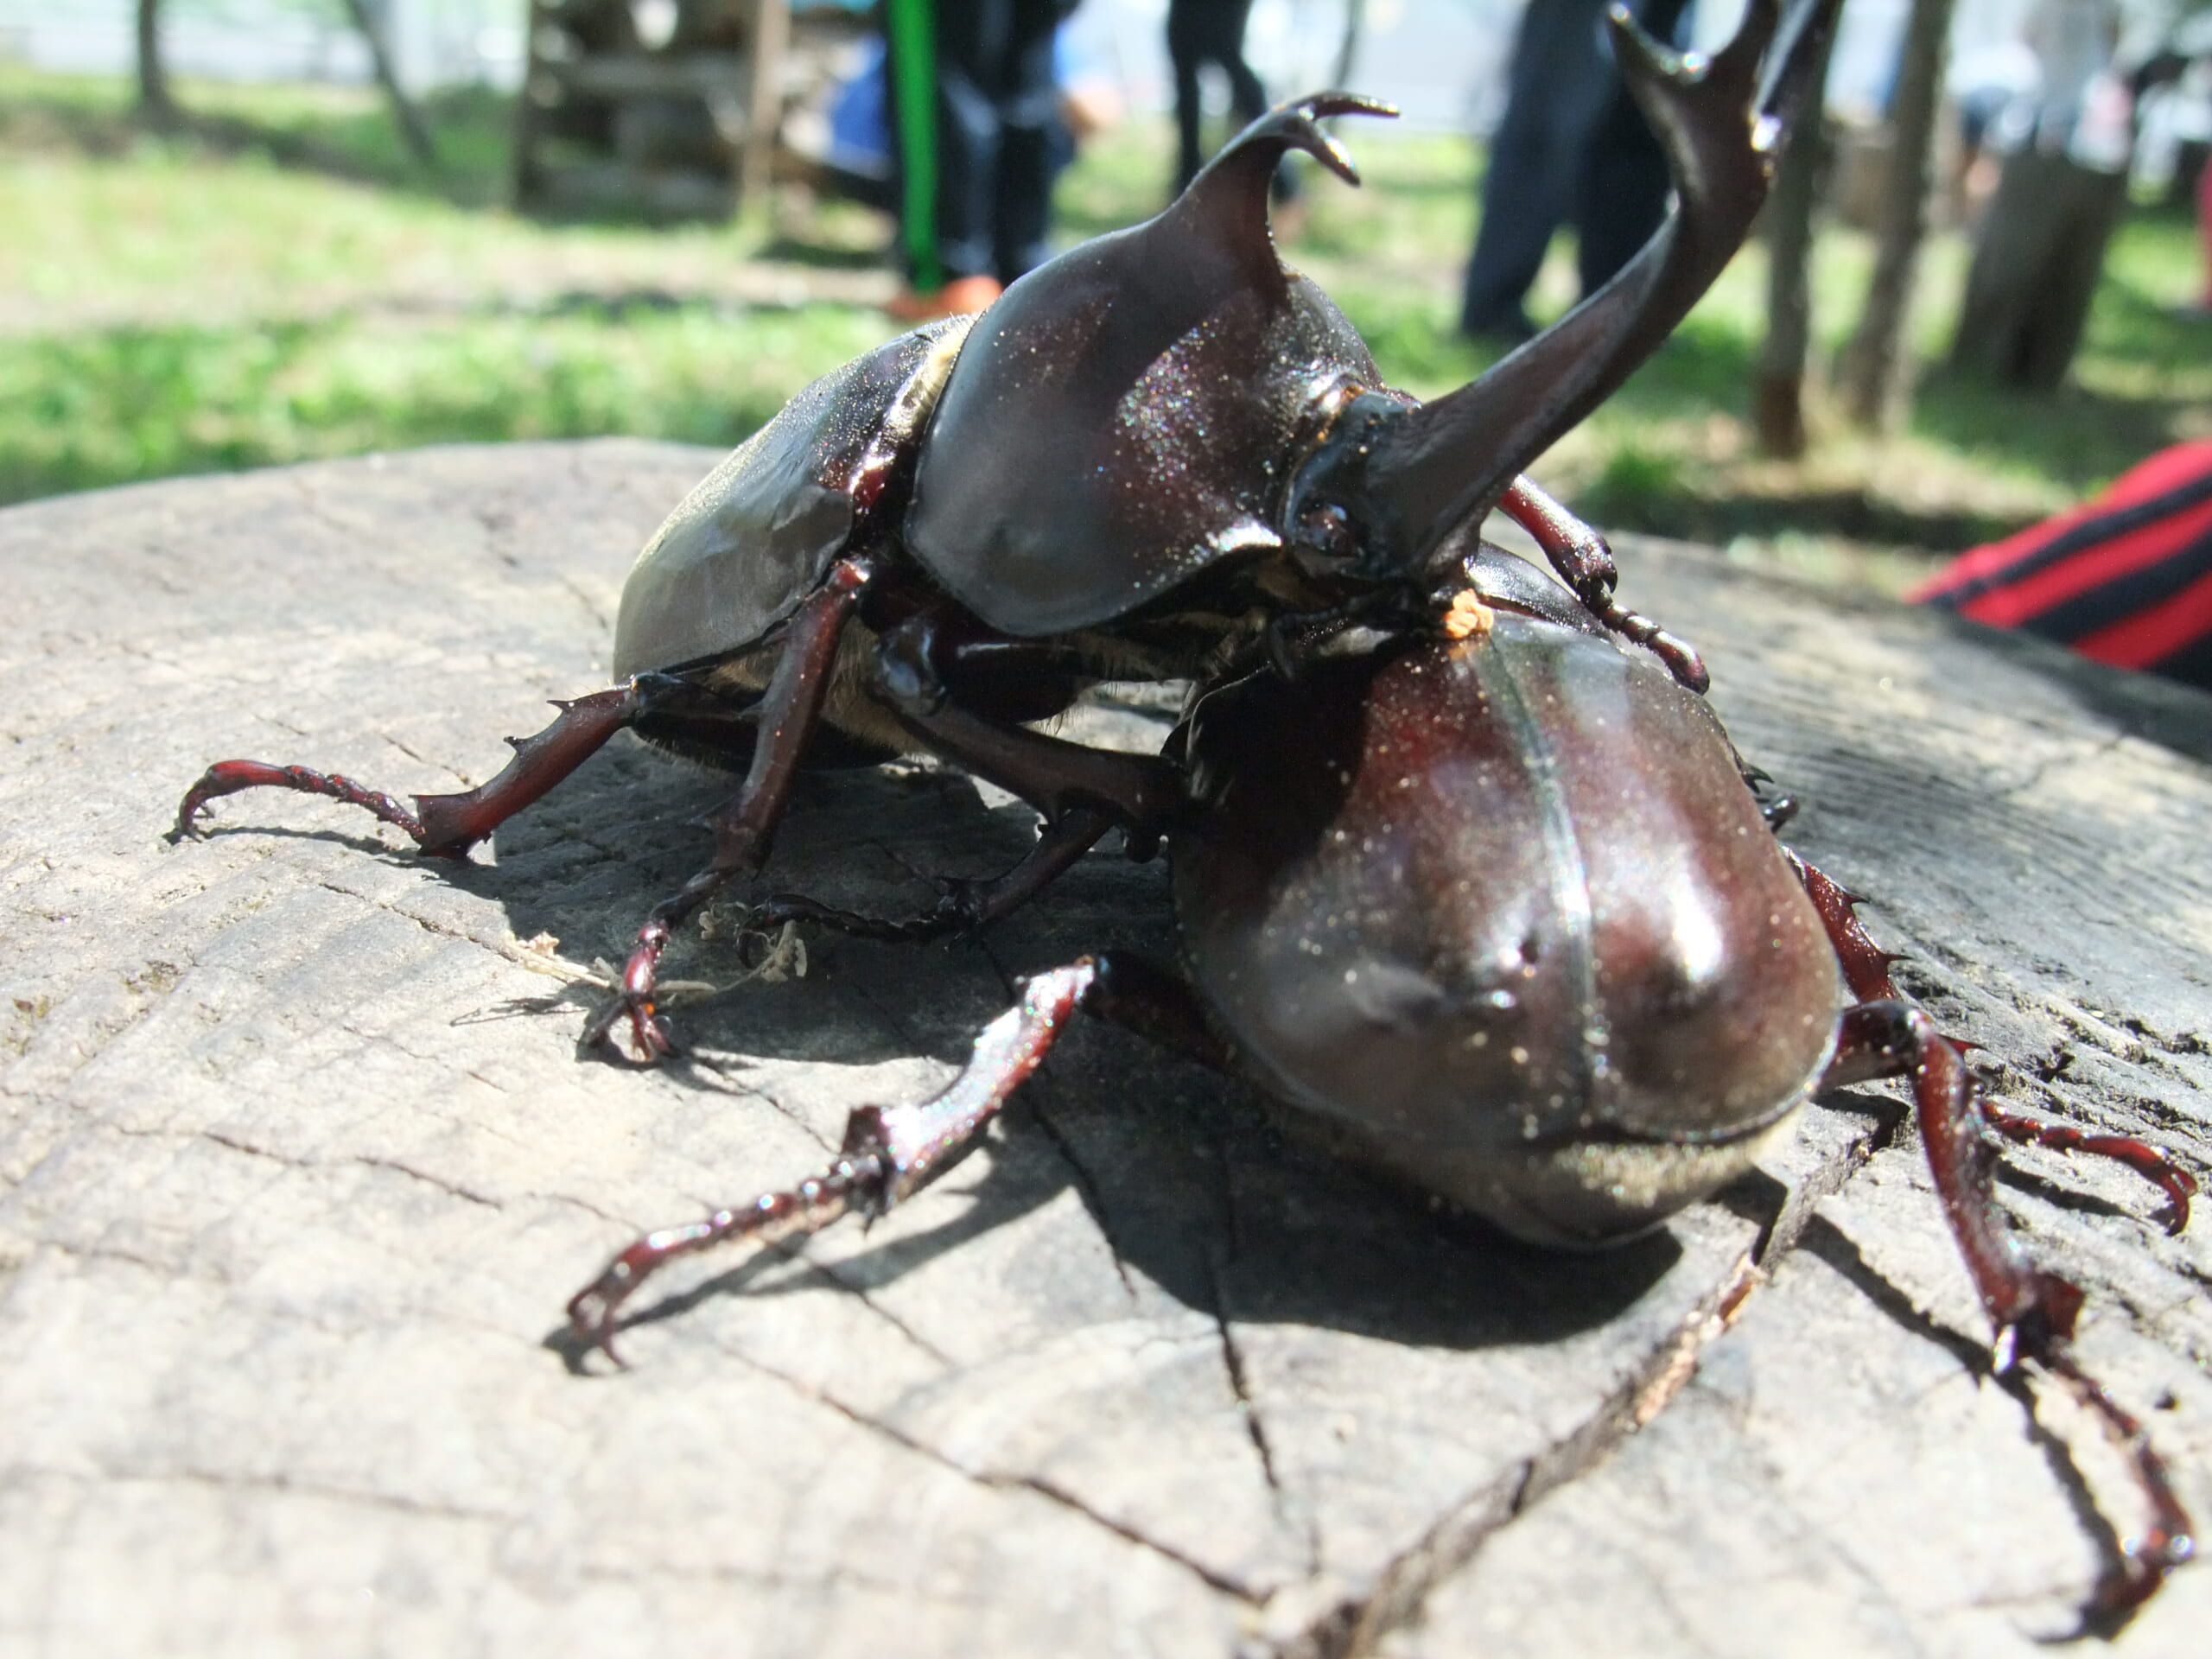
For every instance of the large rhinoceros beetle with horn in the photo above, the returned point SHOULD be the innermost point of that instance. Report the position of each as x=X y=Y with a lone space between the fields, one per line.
x=1157 y=456
x=1466 y=874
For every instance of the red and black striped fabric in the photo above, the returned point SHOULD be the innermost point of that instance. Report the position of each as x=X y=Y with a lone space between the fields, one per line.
x=2125 y=578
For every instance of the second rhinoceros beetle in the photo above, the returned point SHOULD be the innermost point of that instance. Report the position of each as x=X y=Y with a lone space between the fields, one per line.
x=1491 y=906
x=1477 y=892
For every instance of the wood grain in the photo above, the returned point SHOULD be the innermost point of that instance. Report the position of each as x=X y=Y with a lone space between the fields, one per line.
x=301 y=1163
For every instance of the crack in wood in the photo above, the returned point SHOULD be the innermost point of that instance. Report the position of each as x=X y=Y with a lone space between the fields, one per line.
x=993 y=1481
x=828 y=1273
x=1398 y=1592
x=232 y=1481
x=1085 y=1185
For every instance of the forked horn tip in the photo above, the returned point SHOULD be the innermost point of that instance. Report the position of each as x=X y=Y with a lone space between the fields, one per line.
x=1298 y=123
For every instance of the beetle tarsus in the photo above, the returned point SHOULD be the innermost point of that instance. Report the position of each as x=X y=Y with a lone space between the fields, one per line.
x=652 y=1040
x=446 y=826
x=2146 y=1159
x=889 y=1154
x=2170 y=1541
x=1584 y=561
x=229 y=777
x=1681 y=657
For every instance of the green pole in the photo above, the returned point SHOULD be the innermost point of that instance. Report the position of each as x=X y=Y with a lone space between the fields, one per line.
x=911 y=27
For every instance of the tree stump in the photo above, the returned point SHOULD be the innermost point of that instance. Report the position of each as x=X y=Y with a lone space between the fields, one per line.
x=302 y=1162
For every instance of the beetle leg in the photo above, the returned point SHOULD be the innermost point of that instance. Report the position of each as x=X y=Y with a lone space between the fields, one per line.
x=446 y=826
x=1776 y=810
x=891 y=1153
x=1866 y=970
x=1585 y=564
x=790 y=709
x=2146 y=1161
x=443 y=826
x=2034 y=1311
x=965 y=907
x=1056 y=777
x=1576 y=550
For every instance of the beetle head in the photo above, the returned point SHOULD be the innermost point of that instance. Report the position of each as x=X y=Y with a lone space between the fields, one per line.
x=1118 y=420
x=1387 y=482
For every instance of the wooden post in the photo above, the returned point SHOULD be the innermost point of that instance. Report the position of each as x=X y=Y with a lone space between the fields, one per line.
x=1877 y=370
x=770 y=33
x=1778 y=382
x=412 y=129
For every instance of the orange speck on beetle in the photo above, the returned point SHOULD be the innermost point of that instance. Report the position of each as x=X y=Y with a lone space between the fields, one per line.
x=1468 y=617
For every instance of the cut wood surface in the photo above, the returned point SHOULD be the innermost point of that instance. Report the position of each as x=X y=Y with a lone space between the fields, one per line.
x=301 y=1163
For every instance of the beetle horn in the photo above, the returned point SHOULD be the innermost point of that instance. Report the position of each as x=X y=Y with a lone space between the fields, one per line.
x=1227 y=203
x=1722 y=124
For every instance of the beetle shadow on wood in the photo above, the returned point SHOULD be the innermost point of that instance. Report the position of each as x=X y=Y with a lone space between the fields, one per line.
x=1184 y=1172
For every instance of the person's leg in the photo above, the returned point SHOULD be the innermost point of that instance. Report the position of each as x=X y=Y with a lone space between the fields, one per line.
x=1520 y=208
x=1621 y=195
x=1247 y=95
x=1028 y=122
x=1248 y=99
x=1555 y=86
x=946 y=143
x=1186 y=37
x=1623 y=177
x=970 y=46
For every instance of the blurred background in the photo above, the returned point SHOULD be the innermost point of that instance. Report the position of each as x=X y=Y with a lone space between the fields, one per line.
x=241 y=232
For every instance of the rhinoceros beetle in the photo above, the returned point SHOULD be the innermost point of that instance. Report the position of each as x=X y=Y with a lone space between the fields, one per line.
x=1156 y=457
x=1418 y=903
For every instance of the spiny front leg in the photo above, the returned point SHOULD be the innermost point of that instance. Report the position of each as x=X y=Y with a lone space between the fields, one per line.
x=446 y=826
x=1866 y=970
x=890 y=1153
x=1584 y=563
x=790 y=710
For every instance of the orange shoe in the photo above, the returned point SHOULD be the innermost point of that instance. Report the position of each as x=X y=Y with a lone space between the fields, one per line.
x=957 y=298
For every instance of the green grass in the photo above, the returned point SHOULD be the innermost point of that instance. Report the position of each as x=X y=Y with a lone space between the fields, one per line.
x=131 y=402
x=279 y=282
x=181 y=304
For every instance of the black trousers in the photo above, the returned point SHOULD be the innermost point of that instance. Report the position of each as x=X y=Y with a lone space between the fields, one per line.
x=975 y=122
x=1573 y=148
x=1200 y=32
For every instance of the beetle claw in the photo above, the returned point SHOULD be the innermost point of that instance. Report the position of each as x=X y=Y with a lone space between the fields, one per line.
x=591 y=1316
x=651 y=1040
